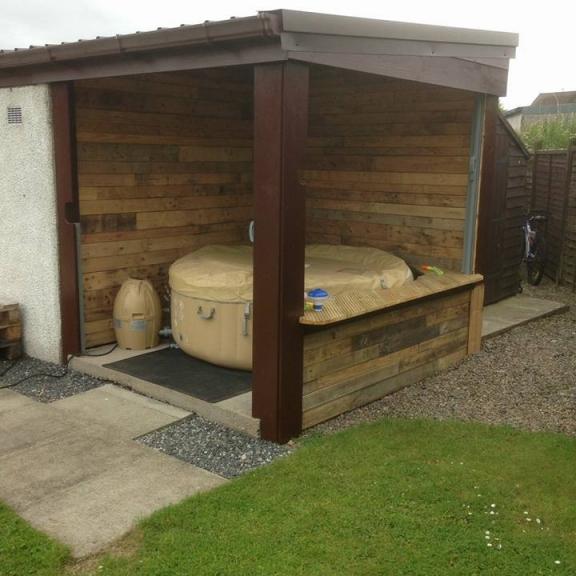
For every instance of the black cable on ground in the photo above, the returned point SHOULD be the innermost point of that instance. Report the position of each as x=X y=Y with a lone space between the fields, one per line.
x=39 y=375
x=45 y=374
x=102 y=353
x=14 y=362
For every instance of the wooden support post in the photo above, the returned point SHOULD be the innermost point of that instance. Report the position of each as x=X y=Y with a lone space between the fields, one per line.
x=475 y=322
x=280 y=128
x=67 y=208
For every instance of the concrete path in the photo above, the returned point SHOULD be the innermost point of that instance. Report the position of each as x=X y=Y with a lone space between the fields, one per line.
x=73 y=471
x=131 y=414
x=515 y=311
x=234 y=413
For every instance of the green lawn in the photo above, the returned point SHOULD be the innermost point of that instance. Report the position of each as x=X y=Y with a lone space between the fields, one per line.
x=24 y=551
x=396 y=497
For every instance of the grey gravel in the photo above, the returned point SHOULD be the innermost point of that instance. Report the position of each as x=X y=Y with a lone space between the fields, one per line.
x=525 y=378
x=44 y=388
x=213 y=447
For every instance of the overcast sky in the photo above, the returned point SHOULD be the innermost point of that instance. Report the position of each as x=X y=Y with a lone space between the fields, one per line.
x=544 y=61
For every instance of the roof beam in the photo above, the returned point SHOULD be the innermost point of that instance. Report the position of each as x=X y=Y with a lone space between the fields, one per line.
x=129 y=64
x=450 y=72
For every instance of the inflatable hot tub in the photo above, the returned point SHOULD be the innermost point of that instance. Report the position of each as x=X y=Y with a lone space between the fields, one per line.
x=212 y=293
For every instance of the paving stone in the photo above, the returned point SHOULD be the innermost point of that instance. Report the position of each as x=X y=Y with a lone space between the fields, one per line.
x=130 y=414
x=80 y=479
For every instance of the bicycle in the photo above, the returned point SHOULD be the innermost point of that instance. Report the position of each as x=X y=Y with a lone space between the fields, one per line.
x=534 y=248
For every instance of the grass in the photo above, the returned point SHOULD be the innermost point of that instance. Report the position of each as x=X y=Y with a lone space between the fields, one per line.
x=24 y=552
x=396 y=497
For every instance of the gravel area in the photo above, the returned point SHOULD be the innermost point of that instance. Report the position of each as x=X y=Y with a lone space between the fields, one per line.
x=45 y=388
x=524 y=378
x=213 y=447
x=203 y=443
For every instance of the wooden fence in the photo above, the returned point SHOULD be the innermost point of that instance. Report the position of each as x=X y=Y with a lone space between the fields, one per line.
x=554 y=194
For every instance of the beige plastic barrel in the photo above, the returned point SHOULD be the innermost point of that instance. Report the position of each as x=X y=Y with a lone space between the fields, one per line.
x=137 y=315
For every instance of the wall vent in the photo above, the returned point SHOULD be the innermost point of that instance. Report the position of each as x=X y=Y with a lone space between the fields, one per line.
x=14 y=115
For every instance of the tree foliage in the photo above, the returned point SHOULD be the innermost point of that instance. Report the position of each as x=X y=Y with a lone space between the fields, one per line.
x=555 y=133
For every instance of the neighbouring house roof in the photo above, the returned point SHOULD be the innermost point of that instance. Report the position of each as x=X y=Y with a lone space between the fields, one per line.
x=547 y=103
x=555 y=98
x=514 y=111
x=476 y=60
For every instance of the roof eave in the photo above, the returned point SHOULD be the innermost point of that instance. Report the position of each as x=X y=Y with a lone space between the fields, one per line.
x=264 y=25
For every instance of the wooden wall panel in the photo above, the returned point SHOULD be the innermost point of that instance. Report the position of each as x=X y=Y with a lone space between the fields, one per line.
x=359 y=361
x=387 y=165
x=517 y=205
x=549 y=197
x=165 y=166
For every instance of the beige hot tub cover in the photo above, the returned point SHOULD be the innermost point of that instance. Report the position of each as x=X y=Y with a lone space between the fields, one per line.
x=225 y=273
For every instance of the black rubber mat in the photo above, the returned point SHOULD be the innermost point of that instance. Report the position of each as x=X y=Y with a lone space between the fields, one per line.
x=172 y=368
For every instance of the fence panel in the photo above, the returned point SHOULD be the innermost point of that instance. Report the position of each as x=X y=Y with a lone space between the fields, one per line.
x=554 y=194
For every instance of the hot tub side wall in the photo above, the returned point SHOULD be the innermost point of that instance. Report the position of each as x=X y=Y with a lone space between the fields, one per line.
x=387 y=165
x=165 y=166
x=359 y=361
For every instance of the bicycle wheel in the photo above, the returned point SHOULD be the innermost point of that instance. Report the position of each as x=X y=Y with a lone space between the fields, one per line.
x=536 y=263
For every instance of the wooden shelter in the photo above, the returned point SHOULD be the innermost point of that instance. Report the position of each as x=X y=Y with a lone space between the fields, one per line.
x=321 y=128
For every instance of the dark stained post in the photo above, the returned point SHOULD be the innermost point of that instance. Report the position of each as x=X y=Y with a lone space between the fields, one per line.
x=487 y=252
x=280 y=128
x=67 y=208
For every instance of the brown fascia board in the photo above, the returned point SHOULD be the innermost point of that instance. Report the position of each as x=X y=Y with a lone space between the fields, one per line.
x=263 y=25
x=316 y=23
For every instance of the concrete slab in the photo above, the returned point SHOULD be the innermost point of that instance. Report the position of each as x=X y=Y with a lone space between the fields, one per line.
x=236 y=415
x=241 y=404
x=117 y=408
x=10 y=400
x=515 y=311
x=90 y=514
x=82 y=481
x=29 y=424
x=45 y=468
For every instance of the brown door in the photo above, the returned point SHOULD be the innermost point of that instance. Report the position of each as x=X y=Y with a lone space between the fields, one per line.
x=492 y=218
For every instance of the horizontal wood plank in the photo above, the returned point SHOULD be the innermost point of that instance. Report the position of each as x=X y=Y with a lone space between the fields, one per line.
x=165 y=167
x=361 y=360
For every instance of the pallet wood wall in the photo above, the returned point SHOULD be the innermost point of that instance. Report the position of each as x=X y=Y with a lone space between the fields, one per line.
x=387 y=165
x=165 y=166
x=357 y=362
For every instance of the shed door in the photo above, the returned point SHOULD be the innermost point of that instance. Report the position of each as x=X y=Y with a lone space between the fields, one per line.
x=492 y=221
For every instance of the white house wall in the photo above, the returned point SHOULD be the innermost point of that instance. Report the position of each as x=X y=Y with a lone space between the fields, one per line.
x=28 y=230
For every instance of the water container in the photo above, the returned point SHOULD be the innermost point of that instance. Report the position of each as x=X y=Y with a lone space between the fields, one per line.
x=137 y=315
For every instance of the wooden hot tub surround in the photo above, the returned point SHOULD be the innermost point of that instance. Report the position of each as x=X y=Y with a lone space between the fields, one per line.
x=366 y=345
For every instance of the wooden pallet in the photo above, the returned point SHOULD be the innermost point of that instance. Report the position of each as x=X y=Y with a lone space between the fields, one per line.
x=10 y=332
